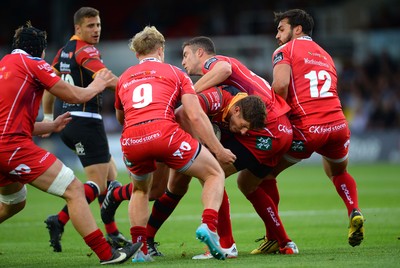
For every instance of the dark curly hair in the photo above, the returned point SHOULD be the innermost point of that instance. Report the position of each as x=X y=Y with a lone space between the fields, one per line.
x=30 y=39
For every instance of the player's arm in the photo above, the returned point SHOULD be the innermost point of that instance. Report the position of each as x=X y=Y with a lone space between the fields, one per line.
x=218 y=74
x=48 y=104
x=75 y=94
x=202 y=128
x=113 y=83
x=281 y=79
x=119 y=114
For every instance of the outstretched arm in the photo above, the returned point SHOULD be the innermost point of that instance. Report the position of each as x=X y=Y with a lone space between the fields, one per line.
x=218 y=74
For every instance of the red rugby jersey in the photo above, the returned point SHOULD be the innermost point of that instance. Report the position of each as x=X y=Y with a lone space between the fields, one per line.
x=312 y=93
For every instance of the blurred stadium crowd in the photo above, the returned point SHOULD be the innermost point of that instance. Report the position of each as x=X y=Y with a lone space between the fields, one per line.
x=369 y=87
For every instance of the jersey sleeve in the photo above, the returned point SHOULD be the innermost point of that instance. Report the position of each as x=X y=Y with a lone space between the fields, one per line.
x=186 y=83
x=43 y=73
x=211 y=100
x=89 y=58
x=210 y=63
x=280 y=56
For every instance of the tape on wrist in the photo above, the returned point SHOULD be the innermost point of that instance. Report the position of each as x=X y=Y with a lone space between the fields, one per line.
x=48 y=117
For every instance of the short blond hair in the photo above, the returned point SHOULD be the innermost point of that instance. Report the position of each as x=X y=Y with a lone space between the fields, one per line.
x=147 y=41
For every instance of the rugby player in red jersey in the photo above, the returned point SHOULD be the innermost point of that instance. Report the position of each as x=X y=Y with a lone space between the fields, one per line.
x=145 y=101
x=24 y=76
x=304 y=74
x=200 y=58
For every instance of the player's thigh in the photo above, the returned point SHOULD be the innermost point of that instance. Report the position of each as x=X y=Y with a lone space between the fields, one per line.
x=204 y=166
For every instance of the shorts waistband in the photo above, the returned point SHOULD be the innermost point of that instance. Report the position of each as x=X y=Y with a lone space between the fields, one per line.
x=86 y=114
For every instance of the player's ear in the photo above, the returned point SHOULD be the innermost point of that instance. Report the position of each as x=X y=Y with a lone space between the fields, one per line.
x=200 y=52
x=298 y=30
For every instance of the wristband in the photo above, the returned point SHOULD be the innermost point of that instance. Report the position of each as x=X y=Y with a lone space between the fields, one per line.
x=48 y=117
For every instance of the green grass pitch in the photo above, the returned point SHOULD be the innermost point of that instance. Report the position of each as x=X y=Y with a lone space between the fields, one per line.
x=312 y=212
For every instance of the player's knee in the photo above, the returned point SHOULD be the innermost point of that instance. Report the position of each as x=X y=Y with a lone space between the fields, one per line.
x=13 y=203
x=247 y=186
x=62 y=182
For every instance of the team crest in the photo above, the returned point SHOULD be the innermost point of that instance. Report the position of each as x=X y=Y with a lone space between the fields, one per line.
x=264 y=143
x=127 y=162
x=298 y=146
x=79 y=149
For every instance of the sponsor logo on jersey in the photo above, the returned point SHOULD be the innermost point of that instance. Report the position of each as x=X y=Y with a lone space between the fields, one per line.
x=264 y=143
x=80 y=149
x=298 y=146
x=326 y=129
x=316 y=62
x=66 y=55
x=139 y=140
x=45 y=66
x=317 y=55
x=209 y=62
x=20 y=170
x=65 y=67
x=44 y=157
x=92 y=51
x=277 y=58
x=285 y=129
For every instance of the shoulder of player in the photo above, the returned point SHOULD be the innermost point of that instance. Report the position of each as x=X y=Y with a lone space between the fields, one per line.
x=209 y=62
x=89 y=49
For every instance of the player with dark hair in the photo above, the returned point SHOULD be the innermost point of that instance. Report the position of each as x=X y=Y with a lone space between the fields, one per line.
x=24 y=76
x=305 y=75
x=200 y=58
x=77 y=62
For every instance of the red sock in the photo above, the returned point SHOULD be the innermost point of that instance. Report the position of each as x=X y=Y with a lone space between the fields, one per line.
x=139 y=234
x=162 y=209
x=266 y=209
x=99 y=245
x=210 y=217
x=347 y=189
x=91 y=192
x=224 y=223
x=271 y=189
x=123 y=193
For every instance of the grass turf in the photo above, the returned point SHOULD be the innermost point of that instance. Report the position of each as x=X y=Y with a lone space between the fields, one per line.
x=312 y=212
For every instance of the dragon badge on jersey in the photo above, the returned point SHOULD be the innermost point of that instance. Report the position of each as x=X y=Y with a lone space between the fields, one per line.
x=298 y=146
x=264 y=143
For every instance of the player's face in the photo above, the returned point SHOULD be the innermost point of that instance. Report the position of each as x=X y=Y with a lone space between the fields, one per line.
x=191 y=62
x=237 y=124
x=89 y=30
x=284 y=32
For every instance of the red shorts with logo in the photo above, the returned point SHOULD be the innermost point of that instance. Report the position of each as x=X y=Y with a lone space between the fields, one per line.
x=330 y=140
x=21 y=160
x=158 y=140
x=271 y=143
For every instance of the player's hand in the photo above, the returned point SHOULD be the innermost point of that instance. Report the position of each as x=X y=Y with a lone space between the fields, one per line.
x=104 y=77
x=225 y=157
x=61 y=121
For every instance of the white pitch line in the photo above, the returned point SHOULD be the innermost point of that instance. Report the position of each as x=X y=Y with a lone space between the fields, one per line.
x=288 y=213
